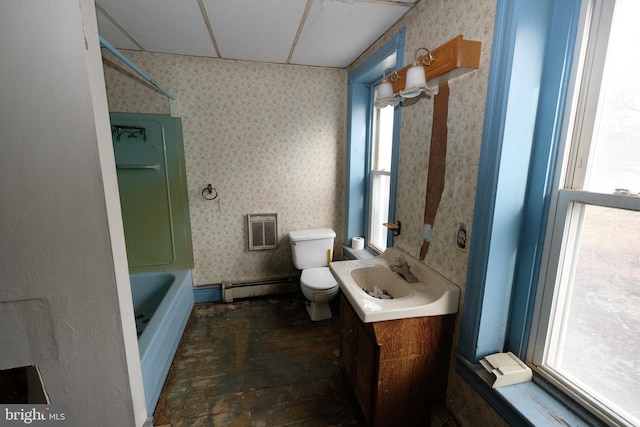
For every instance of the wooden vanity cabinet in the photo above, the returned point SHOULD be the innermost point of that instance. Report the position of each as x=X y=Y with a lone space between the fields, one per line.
x=397 y=368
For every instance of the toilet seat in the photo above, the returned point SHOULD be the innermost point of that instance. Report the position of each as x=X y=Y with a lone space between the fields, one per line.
x=318 y=278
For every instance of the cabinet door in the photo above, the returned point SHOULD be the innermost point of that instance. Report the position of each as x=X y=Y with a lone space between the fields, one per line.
x=366 y=365
x=348 y=334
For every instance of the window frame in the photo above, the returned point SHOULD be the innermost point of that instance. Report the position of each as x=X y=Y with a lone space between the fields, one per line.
x=569 y=200
x=531 y=61
x=361 y=83
x=376 y=179
x=565 y=212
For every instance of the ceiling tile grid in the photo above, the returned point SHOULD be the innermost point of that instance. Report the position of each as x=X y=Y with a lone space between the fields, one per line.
x=326 y=33
x=336 y=32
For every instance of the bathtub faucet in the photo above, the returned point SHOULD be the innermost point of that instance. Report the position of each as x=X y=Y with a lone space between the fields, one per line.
x=402 y=268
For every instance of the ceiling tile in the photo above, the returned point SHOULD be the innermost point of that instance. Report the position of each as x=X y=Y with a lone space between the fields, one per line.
x=255 y=30
x=112 y=34
x=162 y=25
x=336 y=32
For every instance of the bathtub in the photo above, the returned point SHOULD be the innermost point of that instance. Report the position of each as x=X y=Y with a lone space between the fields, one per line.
x=162 y=303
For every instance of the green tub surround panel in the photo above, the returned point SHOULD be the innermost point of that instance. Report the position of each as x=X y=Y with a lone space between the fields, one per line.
x=153 y=191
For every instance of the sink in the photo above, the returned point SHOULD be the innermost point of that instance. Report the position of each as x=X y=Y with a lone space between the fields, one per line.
x=362 y=281
x=380 y=277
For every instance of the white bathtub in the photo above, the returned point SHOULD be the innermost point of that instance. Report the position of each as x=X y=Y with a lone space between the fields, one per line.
x=162 y=303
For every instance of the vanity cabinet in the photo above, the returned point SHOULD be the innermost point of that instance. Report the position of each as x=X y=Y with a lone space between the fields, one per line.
x=397 y=368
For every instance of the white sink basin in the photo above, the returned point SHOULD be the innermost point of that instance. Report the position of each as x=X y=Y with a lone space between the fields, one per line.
x=379 y=277
x=431 y=295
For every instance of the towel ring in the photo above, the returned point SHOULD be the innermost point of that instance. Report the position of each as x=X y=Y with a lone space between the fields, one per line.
x=212 y=193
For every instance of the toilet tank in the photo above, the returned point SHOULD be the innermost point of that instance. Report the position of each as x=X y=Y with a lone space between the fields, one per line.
x=310 y=248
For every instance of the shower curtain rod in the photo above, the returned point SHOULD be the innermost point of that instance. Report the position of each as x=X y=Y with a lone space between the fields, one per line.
x=142 y=74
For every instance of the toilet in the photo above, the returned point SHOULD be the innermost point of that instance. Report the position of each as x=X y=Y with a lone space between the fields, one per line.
x=312 y=250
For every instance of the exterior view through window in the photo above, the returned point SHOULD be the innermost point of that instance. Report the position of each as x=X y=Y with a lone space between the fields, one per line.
x=380 y=177
x=586 y=339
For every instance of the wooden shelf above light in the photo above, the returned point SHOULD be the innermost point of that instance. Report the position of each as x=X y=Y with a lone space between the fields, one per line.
x=454 y=58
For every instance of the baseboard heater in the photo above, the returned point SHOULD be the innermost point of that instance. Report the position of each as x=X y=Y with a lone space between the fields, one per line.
x=257 y=288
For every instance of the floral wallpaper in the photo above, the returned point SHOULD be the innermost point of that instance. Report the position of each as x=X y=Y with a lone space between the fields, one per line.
x=269 y=138
x=430 y=24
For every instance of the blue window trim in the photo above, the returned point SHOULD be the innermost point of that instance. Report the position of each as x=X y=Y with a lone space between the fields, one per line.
x=531 y=61
x=359 y=124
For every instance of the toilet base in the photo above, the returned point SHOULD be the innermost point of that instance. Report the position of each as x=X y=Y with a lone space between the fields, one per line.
x=318 y=310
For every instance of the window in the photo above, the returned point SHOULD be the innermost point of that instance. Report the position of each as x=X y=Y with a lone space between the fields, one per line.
x=535 y=54
x=380 y=177
x=586 y=338
x=374 y=136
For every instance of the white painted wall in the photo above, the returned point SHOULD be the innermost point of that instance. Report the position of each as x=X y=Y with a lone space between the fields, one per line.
x=64 y=292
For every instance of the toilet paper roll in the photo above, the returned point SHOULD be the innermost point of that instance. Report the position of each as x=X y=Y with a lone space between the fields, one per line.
x=357 y=243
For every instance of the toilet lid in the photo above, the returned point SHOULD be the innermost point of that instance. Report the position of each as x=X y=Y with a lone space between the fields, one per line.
x=318 y=278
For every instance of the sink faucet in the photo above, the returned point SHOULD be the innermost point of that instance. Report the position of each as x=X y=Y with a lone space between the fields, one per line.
x=402 y=268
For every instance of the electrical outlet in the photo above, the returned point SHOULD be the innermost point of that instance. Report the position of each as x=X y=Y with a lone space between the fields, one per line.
x=461 y=237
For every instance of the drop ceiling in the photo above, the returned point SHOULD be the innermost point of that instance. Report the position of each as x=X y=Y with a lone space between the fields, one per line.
x=326 y=33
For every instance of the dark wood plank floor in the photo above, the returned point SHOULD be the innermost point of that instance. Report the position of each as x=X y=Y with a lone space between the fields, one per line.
x=257 y=362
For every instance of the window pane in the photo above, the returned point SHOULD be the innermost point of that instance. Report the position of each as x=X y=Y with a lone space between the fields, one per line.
x=598 y=341
x=380 y=184
x=590 y=346
x=383 y=140
x=614 y=161
x=380 y=180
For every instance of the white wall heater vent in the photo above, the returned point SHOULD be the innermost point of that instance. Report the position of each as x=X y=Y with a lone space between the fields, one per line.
x=263 y=231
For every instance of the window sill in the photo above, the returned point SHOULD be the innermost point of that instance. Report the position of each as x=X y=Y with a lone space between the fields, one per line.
x=350 y=253
x=525 y=404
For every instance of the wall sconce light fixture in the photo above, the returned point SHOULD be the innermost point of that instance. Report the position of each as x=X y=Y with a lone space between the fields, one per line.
x=416 y=78
x=384 y=92
x=416 y=82
x=454 y=58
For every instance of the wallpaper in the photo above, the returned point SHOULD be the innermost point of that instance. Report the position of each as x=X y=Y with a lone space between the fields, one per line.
x=430 y=24
x=269 y=138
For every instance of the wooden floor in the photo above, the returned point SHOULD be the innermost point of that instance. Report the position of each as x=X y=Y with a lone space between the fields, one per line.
x=257 y=362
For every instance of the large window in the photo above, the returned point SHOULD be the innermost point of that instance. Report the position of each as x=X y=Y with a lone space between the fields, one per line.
x=374 y=137
x=553 y=263
x=586 y=336
x=380 y=177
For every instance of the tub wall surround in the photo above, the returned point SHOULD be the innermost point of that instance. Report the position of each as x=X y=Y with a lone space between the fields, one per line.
x=430 y=24
x=152 y=184
x=263 y=135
